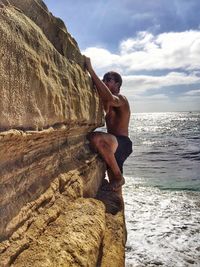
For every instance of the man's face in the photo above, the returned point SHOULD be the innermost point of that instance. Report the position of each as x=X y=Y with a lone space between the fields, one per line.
x=111 y=84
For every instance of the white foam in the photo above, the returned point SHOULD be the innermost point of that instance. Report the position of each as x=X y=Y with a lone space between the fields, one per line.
x=163 y=226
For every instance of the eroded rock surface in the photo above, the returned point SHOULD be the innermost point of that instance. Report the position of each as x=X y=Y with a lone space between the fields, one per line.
x=50 y=212
x=41 y=84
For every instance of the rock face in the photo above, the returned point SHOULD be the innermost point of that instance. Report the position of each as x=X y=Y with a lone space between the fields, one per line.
x=50 y=212
x=42 y=83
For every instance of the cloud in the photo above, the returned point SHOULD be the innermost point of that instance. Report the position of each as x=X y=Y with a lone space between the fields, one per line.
x=161 y=103
x=193 y=93
x=151 y=97
x=141 y=83
x=101 y=58
x=174 y=55
x=173 y=50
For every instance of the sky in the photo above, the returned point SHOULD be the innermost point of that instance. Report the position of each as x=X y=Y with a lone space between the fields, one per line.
x=153 y=44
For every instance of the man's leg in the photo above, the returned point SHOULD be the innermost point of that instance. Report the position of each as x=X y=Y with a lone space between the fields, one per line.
x=106 y=145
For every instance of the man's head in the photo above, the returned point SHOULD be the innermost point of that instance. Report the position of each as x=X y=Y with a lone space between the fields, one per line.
x=113 y=80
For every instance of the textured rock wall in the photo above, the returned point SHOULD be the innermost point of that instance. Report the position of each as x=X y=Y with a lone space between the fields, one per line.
x=37 y=64
x=50 y=212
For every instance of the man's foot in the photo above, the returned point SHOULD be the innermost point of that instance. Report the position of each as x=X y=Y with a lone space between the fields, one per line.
x=115 y=185
x=106 y=187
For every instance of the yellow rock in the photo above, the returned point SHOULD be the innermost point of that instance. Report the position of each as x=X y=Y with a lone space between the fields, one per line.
x=49 y=178
x=41 y=84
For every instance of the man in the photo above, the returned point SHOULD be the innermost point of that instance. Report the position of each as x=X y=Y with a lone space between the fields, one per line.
x=115 y=145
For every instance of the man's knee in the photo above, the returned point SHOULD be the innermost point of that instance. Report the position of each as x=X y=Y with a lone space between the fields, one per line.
x=94 y=139
x=100 y=140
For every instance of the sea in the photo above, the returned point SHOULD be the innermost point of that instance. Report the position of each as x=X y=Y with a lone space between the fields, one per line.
x=162 y=190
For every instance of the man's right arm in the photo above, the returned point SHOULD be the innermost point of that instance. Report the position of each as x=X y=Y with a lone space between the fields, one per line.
x=107 y=97
x=102 y=89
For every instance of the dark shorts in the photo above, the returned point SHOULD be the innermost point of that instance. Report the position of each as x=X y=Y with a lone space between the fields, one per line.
x=124 y=150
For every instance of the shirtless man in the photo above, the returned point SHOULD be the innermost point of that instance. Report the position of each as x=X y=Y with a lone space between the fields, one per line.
x=115 y=145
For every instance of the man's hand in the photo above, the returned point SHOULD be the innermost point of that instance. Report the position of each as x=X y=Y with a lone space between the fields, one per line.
x=88 y=64
x=104 y=92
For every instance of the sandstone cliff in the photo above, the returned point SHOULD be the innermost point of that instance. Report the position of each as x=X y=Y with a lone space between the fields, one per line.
x=52 y=212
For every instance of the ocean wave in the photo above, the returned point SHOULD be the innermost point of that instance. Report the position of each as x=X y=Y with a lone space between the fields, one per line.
x=163 y=226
